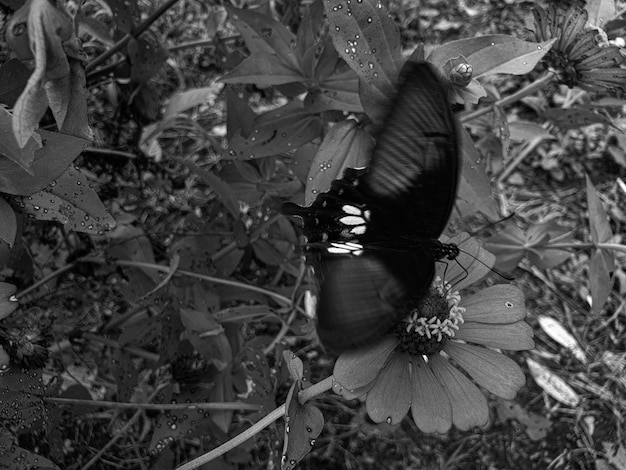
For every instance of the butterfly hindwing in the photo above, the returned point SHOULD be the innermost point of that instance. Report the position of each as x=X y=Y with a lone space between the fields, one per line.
x=360 y=297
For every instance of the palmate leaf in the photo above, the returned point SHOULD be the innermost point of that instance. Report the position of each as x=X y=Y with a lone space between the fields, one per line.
x=281 y=130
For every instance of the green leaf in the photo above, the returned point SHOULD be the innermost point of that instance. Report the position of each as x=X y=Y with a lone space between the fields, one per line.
x=22 y=156
x=312 y=36
x=264 y=35
x=601 y=281
x=190 y=98
x=598 y=222
x=497 y=53
x=508 y=246
x=538 y=241
x=8 y=228
x=178 y=424
x=21 y=403
x=338 y=91
x=71 y=200
x=58 y=151
x=281 y=130
x=366 y=37
x=345 y=145
x=522 y=131
x=146 y=59
x=264 y=69
x=222 y=190
x=76 y=122
x=7 y=303
x=13 y=76
x=474 y=189
x=575 y=118
x=19 y=458
x=124 y=14
x=303 y=424
x=48 y=30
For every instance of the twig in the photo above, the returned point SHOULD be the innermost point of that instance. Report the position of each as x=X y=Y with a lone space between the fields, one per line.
x=237 y=406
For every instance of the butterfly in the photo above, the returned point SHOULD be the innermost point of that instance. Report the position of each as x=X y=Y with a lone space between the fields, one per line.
x=373 y=237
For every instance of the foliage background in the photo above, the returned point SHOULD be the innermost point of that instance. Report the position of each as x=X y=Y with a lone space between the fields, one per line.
x=120 y=315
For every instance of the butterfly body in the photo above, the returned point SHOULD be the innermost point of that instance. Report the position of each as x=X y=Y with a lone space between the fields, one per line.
x=373 y=237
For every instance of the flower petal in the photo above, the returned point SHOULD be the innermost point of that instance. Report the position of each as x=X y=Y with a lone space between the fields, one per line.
x=390 y=397
x=516 y=336
x=358 y=367
x=431 y=409
x=469 y=405
x=490 y=369
x=502 y=303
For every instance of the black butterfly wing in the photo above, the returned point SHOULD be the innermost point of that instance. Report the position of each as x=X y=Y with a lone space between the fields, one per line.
x=414 y=169
x=361 y=296
x=390 y=215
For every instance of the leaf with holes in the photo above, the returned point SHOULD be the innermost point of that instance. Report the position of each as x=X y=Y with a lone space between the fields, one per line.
x=281 y=130
x=366 y=37
x=14 y=457
x=71 y=200
x=58 y=151
x=303 y=422
x=346 y=145
x=21 y=403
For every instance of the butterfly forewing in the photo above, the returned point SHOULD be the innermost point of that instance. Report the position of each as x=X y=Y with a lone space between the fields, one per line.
x=414 y=170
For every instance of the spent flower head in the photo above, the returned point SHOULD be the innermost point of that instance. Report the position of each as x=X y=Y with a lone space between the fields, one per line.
x=418 y=366
x=581 y=56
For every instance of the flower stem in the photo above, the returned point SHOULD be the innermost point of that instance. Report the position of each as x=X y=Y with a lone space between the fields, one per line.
x=303 y=396
x=166 y=269
x=506 y=101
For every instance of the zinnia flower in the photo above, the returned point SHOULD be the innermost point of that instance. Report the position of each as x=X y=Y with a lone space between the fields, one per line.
x=582 y=56
x=417 y=367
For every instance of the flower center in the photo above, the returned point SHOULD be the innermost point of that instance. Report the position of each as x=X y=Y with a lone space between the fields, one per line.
x=430 y=321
